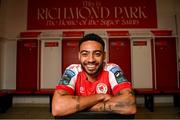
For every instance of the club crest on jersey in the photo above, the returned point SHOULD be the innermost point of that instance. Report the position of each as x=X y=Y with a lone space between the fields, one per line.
x=101 y=88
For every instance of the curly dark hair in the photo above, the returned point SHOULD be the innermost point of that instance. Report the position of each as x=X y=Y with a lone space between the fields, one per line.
x=92 y=37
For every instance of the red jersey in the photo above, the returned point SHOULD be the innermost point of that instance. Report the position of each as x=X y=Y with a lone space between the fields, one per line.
x=109 y=81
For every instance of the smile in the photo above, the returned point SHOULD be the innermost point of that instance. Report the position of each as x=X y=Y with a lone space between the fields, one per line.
x=91 y=66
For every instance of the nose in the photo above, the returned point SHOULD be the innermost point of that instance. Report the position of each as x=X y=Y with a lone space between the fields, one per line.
x=91 y=58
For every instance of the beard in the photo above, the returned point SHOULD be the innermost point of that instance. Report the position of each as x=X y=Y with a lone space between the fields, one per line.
x=92 y=71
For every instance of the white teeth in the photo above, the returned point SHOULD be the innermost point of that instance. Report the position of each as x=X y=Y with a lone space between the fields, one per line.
x=91 y=66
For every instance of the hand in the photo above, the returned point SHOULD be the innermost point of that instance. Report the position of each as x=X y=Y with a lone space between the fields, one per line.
x=107 y=97
x=100 y=106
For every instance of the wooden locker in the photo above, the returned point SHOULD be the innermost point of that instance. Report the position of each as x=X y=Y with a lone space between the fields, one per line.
x=166 y=63
x=27 y=62
x=119 y=53
x=142 y=68
x=69 y=52
x=50 y=63
x=70 y=48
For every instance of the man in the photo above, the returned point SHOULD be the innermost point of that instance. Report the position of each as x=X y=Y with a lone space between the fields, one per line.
x=93 y=84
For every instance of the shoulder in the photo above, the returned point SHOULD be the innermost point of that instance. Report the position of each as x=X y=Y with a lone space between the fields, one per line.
x=73 y=69
x=112 y=67
x=70 y=74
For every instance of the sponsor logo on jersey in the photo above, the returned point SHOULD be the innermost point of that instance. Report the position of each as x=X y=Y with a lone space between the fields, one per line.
x=118 y=74
x=67 y=77
x=101 y=88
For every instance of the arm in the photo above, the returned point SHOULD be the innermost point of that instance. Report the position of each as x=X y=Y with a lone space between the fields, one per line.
x=122 y=103
x=64 y=104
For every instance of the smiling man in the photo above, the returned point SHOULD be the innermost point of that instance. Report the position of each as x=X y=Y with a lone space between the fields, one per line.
x=93 y=84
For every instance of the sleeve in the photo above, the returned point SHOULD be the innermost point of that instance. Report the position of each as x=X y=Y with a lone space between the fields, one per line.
x=68 y=80
x=117 y=79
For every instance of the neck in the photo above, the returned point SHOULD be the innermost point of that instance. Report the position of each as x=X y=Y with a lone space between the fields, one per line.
x=91 y=78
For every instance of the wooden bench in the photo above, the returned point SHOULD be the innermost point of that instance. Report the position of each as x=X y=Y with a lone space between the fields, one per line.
x=44 y=92
x=149 y=94
x=5 y=101
x=176 y=95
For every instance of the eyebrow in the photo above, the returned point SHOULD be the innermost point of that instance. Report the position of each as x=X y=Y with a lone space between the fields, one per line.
x=93 y=51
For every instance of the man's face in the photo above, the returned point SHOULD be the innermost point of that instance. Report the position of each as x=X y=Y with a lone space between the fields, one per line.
x=91 y=56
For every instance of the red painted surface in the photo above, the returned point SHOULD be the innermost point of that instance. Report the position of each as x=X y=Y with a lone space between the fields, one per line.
x=119 y=53
x=27 y=61
x=166 y=63
x=71 y=14
x=69 y=52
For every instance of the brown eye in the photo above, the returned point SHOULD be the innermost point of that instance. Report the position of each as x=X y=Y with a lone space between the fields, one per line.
x=98 y=54
x=84 y=54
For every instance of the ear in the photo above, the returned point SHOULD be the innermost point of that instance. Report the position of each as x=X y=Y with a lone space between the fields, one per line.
x=104 y=55
x=79 y=56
